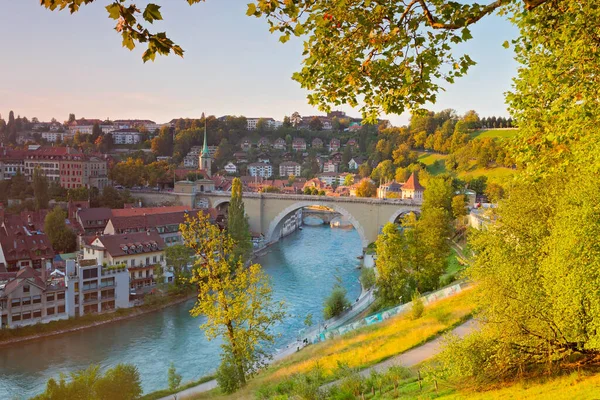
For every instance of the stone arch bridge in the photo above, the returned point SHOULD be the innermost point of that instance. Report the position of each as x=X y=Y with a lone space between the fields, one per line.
x=267 y=211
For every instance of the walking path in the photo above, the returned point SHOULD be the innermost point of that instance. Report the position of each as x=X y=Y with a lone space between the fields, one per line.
x=416 y=355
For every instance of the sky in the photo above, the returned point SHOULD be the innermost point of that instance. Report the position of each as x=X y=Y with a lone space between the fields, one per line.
x=55 y=63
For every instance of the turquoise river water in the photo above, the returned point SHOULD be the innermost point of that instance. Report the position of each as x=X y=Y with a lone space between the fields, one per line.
x=302 y=267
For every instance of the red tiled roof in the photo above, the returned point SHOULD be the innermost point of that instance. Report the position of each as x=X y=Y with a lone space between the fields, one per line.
x=128 y=212
x=16 y=245
x=412 y=183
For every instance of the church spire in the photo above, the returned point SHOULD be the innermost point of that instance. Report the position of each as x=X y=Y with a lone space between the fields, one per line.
x=205 y=147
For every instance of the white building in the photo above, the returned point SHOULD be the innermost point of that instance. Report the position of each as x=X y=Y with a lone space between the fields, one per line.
x=230 y=168
x=52 y=137
x=126 y=136
x=330 y=166
x=191 y=159
x=288 y=168
x=262 y=170
x=331 y=178
x=93 y=288
x=251 y=123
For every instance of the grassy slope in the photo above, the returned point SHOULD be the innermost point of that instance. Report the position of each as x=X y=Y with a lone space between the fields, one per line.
x=498 y=174
x=495 y=133
x=366 y=346
x=568 y=387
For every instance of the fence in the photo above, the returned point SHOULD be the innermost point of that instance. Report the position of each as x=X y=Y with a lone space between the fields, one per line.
x=387 y=314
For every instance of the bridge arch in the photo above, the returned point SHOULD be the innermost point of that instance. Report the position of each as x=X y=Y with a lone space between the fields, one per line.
x=401 y=213
x=275 y=225
x=219 y=201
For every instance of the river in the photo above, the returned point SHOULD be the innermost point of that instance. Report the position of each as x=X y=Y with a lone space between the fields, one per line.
x=302 y=267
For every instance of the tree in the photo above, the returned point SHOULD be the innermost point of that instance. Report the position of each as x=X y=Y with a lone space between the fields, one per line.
x=494 y=192
x=96 y=132
x=459 y=206
x=237 y=222
x=349 y=180
x=18 y=185
x=158 y=274
x=174 y=378
x=364 y=170
x=366 y=188
x=71 y=118
x=62 y=238
x=235 y=300
x=119 y=383
x=296 y=119
x=315 y=124
x=383 y=172
x=179 y=257
x=346 y=155
x=394 y=280
x=40 y=189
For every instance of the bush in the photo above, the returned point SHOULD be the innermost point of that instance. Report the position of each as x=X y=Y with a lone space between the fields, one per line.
x=228 y=377
x=336 y=303
x=417 y=305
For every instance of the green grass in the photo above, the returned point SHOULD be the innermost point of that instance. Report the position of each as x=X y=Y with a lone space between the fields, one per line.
x=453 y=269
x=430 y=158
x=495 y=133
x=365 y=346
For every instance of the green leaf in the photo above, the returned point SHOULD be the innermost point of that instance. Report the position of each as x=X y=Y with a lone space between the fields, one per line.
x=299 y=29
x=114 y=10
x=128 y=41
x=251 y=9
x=149 y=55
x=152 y=13
x=284 y=38
x=506 y=45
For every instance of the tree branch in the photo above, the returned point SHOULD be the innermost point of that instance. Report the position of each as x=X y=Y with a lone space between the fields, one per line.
x=432 y=21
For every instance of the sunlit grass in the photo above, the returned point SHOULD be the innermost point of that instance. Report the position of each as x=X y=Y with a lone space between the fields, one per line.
x=495 y=133
x=366 y=346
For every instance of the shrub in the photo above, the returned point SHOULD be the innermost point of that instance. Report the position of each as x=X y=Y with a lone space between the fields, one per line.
x=228 y=377
x=336 y=303
x=417 y=305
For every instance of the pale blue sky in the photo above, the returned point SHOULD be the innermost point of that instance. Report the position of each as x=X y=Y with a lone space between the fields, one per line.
x=56 y=63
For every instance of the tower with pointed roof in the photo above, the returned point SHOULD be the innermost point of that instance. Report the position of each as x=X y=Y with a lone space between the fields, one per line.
x=412 y=188
x=205 y=161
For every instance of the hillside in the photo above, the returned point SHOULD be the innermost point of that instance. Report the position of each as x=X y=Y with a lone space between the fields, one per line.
x=435 y=166
x=504 y=133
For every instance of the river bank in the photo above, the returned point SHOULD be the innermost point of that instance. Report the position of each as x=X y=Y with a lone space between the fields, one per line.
x=54 y=328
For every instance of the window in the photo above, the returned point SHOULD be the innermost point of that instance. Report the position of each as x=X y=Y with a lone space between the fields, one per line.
x=61 y=309
x=16 y=317
x=60 y=296
x=26 y=315
x=26 y=287
x=37 y=314
x=90 y=273
x=154 y=259
x=133 y=262
x=162 y=258
x=26 y=301
x=147 y=260
x=15 y=302
x=37 y=299
x=50 y=311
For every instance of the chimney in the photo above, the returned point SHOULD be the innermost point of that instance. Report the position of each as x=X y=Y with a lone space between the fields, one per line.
x=44 y=272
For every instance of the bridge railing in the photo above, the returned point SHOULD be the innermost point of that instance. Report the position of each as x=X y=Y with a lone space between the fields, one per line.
x=316 y=199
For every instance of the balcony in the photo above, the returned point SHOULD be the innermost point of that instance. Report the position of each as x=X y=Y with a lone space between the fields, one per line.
x=91 y=300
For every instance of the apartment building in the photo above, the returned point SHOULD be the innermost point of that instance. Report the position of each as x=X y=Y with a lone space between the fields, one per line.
x=126 y=136
x=288 y=168
x=260 y=169
x=28 y=298
x=93 y=288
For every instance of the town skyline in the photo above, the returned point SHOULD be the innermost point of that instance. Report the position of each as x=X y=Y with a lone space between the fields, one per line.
x=244 y=70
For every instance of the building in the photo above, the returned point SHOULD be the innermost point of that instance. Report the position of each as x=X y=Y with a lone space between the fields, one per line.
x=28 y=298
x=68 y=167
x=331 y=178
x=164 y=220
x=246 y=144
x=288 y=168
x=385 y=190
x=139 y=252
x=412 y=189
x=126 y=136
x=298 y=144
x=230 y=168
x=11 y=162
x=279 y=144
x=317 y=143
x=146 y=124
x=86 y=126
x=192 y=158
x=330 y=166
x=95 y=288
x=52 y=136
x=264 y=142
x=334 y=145
x=263 y=170
x=352 y=143
x=22 y=248
x=252 y=123
x=93 y=221
x=355 y=162
x=205 y=159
